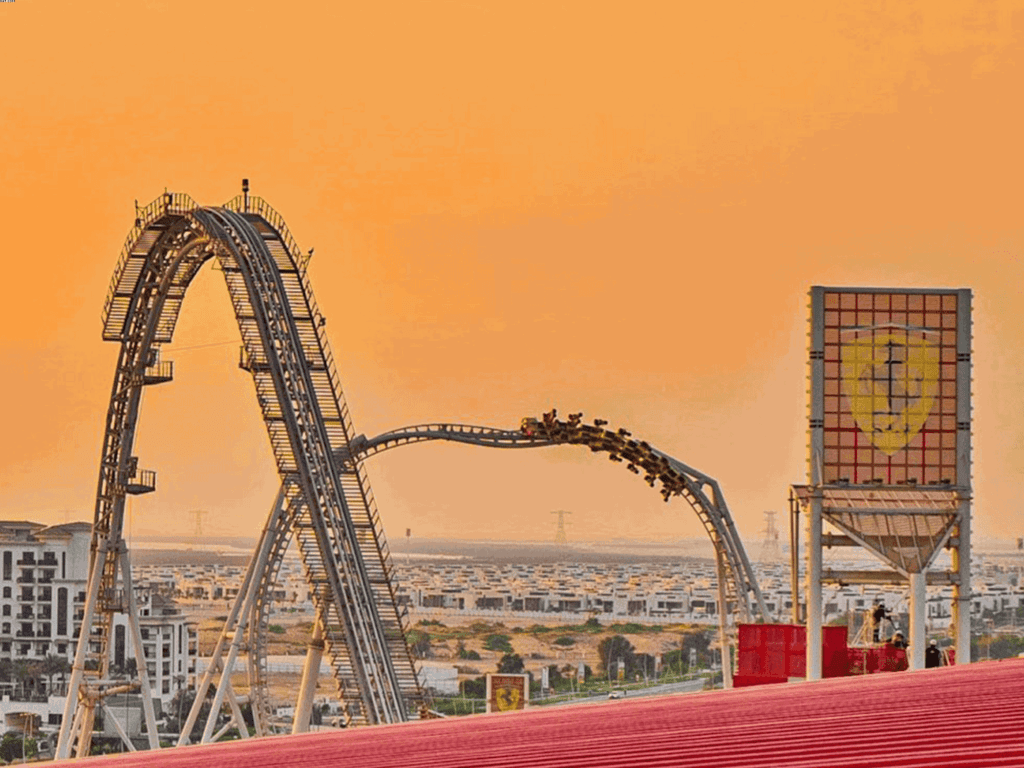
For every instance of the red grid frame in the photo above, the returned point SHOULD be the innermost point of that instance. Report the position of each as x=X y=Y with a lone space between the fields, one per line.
x=848 y=452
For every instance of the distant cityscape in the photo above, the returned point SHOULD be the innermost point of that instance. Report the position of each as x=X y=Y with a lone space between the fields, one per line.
x=44 y=573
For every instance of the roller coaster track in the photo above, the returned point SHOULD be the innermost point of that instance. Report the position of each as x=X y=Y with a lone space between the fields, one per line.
x=700 y=491
x=328 y=508
x=738 y=589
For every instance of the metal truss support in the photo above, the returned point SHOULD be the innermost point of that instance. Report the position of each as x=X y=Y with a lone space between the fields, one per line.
x=232 y=638
x=332 y=514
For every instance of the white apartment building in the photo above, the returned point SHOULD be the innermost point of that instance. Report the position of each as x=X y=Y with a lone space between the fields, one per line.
x=44 y=572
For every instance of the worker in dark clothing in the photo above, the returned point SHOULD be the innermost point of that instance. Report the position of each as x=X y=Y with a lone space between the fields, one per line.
x=877 y=617
x=932 y=655
x=897 y=641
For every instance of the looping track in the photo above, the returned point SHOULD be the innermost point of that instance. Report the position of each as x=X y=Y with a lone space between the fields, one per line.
x=330 y=511
x=325 y=503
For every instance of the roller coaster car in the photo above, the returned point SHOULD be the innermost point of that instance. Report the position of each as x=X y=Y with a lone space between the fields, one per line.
x=529 y=426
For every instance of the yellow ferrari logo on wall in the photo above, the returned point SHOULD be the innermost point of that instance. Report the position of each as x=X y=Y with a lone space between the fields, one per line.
x=891 y=378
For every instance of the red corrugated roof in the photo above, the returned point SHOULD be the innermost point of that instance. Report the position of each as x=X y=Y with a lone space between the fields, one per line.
x=952 y=717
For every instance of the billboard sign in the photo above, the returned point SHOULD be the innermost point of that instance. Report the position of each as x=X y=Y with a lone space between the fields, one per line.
x=890 y=386
x=507 y=692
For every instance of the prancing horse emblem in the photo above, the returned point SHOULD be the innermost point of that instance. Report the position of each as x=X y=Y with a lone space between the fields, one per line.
x=891 y=377
x=507 y=697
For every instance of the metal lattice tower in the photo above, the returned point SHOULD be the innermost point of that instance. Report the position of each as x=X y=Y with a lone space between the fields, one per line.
x=560 y=537
x=328 y=510
x=770 y=550
x=197 y=515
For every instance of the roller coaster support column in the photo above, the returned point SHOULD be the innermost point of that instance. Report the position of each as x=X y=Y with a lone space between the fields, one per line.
x=723 y=634
x=75 y=690
x=814 y=634
x=234 y=627
x=310 y=674
x=918 y=603
x=143 y=671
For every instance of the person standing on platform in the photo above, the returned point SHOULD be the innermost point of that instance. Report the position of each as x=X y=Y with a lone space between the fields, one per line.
x=932 y=655
x=877 y=617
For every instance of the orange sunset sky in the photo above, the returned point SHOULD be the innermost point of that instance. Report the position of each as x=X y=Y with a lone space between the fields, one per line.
x=609 y=207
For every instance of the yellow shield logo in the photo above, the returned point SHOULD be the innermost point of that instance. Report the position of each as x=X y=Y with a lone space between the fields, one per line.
x=508 y=697
x=891 y=377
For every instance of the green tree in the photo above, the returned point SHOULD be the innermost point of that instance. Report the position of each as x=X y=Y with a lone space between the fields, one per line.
x=462 y=653
x=419 y=643
x=615 y=648
x=181 y=705
x=679 y=660
x=565 y=640
x=475 y=688
x=498 y=642
x=14 y=746
x=25 y=674
x=52 y=666
x=511 y=664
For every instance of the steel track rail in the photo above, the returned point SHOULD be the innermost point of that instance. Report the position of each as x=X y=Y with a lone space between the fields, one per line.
x=701 y=491
x=331 y=513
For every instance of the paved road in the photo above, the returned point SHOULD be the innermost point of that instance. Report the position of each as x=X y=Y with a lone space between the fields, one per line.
x=686 y=686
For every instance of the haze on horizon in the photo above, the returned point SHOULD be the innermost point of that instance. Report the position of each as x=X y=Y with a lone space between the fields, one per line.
x=513 y=208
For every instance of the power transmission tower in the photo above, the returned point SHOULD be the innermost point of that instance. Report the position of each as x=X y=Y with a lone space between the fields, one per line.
x=197 y=515
x=560 y=531
x=770 y=551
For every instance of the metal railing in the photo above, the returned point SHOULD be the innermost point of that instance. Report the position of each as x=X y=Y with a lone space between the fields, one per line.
x=260 y=206
x=169 y=202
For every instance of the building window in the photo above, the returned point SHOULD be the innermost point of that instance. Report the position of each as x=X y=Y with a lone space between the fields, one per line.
x=7 y=591
x=5 y=647
x=119 y=645
x=8 y=566
x=7 y=610
x=167 y=686
x=62 y=611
